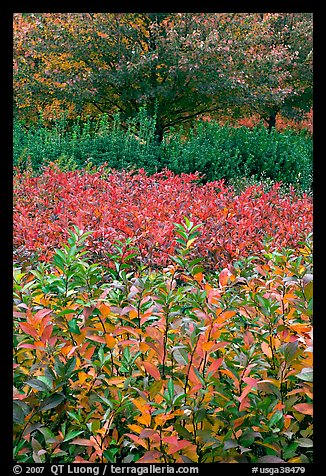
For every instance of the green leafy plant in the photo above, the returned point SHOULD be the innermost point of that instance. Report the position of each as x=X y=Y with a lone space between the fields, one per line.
x=172 y=364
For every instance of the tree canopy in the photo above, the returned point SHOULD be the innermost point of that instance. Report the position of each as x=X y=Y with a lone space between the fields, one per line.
x=180 y=65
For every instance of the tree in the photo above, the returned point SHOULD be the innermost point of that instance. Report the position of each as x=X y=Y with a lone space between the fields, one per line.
x=179 y=65
x=277 y=65
x=119 y=62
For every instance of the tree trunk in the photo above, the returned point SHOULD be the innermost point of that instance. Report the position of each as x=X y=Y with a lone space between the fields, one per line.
x=271 y=121
x=159 y=132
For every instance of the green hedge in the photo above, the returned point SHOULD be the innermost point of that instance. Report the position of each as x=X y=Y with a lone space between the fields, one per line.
x=214 y=150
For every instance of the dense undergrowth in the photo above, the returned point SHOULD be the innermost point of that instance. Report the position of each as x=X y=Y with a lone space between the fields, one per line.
x=130 y=363
x=132 y=205
x=144 y=336
x=215 y=151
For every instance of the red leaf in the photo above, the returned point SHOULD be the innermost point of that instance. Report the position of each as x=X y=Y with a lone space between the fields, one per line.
x=214 y=366
x=82 y=442
x=150 y=457
x=224 y=277
x=28 y=329
x=305 y=408
x=47 y=333
x=174 y=444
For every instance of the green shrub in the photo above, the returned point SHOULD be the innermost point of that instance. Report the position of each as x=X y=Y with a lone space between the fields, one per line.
x=228 y=152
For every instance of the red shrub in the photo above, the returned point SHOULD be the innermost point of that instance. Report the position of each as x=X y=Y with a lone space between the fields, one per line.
x=128 y=204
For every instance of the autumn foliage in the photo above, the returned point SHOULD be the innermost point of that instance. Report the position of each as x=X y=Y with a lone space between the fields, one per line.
x=155 y=338
x=131 y=205
x=164 y=366
x=163 y=276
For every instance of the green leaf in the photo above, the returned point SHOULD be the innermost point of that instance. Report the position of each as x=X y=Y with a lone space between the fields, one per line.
x=72 y=434
x=70 y=366
x=270 y=459
x=230 y=444
x=48 y=435
x=306 y=374
x=305 y=442
x=275 y=418
x=290 y=350
x=52 y=402
x=74 y=415
x=171 y=389
x=73 y=326
x=18 y=414
x=46 y=380
x=183 y=432
x=200 y=415
x=181 y=356
x=37 y=384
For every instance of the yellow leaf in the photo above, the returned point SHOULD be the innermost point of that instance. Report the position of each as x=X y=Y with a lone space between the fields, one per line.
x=191 y=452
x=145 y=418
x=135 y=428
x=296 y=459
x=267 y=445
x=117 y=381
x=82 y=376
x=190 y=242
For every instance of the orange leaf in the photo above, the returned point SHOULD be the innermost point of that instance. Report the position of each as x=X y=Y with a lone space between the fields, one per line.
x=152 y=370
x=150 y=457
x=82 y=376
x=133 y=313
x=207 y=345
x=135 y=428
x=143 y=347
x=137 y=440
x=104 y=309
x=238 y=422
x=198 y=277
x=225 y=315
x=110 y=341
x=145 y=418
x=266 y=349
x=193 y=377
x=97 y=339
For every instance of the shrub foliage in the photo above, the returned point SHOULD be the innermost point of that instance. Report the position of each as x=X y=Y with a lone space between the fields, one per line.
x=131 y=205
x=134 y=364
x=215 y=151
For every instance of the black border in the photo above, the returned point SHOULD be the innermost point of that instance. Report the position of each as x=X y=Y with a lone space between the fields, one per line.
x=6 y=194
